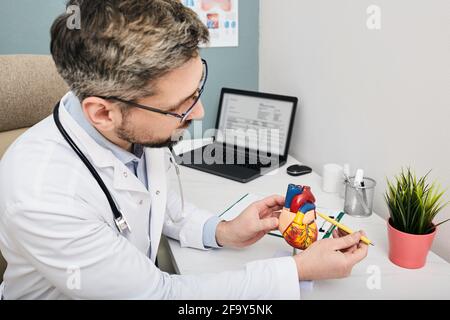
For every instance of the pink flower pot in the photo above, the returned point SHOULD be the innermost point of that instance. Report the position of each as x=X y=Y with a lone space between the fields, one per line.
x=409 y=250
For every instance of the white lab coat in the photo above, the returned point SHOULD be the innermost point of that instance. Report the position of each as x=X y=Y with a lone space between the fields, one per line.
x=58 y=236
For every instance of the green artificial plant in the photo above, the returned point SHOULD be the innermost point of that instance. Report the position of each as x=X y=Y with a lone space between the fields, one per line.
x=413 y=203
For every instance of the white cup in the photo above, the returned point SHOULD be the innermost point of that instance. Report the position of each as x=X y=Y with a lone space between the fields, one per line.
x=332 y=178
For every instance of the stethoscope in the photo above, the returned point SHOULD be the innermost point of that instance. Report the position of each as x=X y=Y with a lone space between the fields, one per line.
x=119 y=219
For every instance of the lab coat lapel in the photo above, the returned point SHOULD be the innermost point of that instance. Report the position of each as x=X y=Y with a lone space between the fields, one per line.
x=123 y=178
x=117 y=180
x=156 y=172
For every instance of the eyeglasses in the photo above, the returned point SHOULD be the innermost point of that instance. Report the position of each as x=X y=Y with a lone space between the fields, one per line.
x=182 y=116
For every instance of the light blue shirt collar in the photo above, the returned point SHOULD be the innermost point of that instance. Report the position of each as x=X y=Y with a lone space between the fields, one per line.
x=73 y=106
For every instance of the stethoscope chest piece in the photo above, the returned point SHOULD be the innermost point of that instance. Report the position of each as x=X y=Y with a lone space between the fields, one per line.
x=122 y=224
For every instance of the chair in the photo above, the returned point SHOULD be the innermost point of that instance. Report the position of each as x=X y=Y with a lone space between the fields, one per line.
x=29 y=88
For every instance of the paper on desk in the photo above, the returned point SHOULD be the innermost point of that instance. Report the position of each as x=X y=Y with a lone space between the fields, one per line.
x=241 y=204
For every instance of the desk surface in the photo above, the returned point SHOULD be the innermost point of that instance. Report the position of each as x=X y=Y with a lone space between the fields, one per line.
x=215 y=193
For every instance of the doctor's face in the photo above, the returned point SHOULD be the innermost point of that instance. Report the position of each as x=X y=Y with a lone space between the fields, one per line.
x=175 y=92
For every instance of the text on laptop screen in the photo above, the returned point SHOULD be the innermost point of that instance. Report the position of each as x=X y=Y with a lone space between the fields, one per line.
x=255 y=123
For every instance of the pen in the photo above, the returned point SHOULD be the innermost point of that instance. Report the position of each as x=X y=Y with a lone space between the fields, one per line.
x=233 y=205
x=342 y=227
x=330 y=230
x=359 y=182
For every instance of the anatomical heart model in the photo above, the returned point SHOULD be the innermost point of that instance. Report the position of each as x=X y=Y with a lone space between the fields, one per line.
x=297 y=219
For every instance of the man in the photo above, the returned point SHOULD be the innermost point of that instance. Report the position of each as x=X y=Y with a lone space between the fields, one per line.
x=136 y=77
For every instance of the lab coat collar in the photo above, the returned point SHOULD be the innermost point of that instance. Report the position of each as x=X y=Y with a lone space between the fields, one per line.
x=73 y=106
x=101 y=157
x=156 y=173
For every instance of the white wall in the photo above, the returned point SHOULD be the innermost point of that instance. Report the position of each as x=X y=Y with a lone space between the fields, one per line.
x=378 y=100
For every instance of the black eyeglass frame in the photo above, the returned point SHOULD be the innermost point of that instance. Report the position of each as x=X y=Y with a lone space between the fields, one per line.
x=182 y=116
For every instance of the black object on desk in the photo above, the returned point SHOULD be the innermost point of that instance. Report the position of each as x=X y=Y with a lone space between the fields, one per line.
x=298 y=170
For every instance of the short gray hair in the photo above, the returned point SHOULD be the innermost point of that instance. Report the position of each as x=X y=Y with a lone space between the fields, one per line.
x=124 y=45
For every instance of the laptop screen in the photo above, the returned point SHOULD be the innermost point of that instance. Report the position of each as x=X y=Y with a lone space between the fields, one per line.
x=254 y=122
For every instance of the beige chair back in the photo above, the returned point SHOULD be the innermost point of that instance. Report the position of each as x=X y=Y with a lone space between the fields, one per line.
x=29 y=88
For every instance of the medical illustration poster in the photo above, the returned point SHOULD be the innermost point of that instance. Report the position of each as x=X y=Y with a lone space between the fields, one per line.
x=221 y=18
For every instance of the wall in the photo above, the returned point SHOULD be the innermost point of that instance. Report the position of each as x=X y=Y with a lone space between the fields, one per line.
x=233 y=67
x=378 y=100
x=25 y=25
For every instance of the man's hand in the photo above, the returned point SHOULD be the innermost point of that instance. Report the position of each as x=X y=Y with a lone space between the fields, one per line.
x=331 y=258
x=252 y=224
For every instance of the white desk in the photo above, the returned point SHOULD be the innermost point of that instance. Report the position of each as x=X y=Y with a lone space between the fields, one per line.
x=216 y=194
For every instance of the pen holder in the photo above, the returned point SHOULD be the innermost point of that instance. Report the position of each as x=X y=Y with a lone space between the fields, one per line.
x=359 y=199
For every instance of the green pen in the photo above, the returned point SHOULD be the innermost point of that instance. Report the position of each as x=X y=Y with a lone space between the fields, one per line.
x=330 y=230
x=229 y=208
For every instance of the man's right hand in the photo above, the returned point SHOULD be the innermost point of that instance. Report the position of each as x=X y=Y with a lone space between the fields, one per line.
x=331 y=258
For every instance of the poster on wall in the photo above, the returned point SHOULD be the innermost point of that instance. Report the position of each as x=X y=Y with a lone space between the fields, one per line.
x=221 y=18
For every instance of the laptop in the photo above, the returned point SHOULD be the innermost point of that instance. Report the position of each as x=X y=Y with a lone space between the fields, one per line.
x=252 y=136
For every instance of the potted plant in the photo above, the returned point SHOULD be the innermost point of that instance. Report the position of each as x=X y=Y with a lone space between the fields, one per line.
x=413 y=204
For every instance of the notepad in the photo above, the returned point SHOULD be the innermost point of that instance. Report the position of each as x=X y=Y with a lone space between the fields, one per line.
x=243 y=202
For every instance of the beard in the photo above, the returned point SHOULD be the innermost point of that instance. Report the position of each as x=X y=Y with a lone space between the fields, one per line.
x=128 y=133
